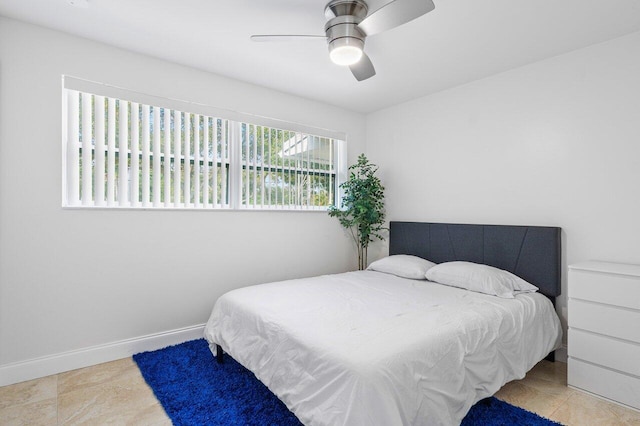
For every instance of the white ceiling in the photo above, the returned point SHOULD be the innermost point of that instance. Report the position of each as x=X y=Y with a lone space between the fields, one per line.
x=460 y=41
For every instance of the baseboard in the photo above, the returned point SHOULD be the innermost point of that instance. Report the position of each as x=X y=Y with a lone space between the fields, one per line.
x=66 y=361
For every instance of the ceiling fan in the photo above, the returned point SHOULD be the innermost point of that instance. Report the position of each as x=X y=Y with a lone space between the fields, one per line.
x=349 y=23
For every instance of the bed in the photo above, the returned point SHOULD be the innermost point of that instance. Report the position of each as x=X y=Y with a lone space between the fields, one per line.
x=374 y=348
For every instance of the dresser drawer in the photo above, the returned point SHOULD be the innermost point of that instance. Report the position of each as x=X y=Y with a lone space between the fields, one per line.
x=604 y=382
x=605 y=319
x=613 y=353
x=621 y=290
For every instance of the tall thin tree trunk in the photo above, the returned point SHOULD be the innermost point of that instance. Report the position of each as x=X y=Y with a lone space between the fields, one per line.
x=365 y=252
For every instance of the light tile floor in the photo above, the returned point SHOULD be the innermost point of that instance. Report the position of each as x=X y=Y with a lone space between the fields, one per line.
x=115 y=393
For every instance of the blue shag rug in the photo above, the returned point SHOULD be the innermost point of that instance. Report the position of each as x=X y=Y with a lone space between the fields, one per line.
x=195 y=390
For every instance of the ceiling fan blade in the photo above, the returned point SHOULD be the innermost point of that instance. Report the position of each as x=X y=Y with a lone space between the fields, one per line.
x=286 y=37
x=394 y=14
x=363 y=69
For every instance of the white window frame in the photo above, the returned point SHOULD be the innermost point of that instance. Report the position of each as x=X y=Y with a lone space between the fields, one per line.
x=78 y=152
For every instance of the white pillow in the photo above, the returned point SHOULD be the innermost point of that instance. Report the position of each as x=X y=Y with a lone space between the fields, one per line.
x=403 y=265
x=480 y=278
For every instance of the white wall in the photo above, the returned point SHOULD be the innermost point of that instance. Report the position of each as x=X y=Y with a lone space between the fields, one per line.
x=73 y=280
x=553 y=143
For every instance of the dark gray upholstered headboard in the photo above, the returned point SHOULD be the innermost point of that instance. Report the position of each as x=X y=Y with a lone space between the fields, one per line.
x=531 y=252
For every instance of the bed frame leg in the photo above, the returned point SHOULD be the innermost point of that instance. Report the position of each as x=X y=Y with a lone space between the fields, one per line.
x=219 y=354
x=551 y=357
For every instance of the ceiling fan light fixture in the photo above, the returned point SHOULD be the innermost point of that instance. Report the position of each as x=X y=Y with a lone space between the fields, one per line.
x=346 y=51
x=350 y=23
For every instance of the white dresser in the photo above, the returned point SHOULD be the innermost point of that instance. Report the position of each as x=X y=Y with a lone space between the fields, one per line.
x=604 y=330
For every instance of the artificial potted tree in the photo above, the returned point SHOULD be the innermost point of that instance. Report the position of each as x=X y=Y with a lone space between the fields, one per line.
x=362 y=207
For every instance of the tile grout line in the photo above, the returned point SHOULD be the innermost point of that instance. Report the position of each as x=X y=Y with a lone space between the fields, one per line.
x=570 y=394
x=57 y=402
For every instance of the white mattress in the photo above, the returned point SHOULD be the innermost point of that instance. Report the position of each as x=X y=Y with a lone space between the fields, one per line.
x=368 y=348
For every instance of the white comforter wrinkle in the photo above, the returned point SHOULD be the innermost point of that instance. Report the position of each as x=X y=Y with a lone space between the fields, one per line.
x=367 y=348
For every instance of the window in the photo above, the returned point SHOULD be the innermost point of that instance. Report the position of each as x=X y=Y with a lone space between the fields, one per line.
x=287 y=168
x=121 y=153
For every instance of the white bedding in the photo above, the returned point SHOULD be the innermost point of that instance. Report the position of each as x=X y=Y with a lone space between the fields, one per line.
x=368 y=348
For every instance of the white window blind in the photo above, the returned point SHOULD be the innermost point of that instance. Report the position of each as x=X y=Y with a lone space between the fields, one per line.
x=120 y=153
